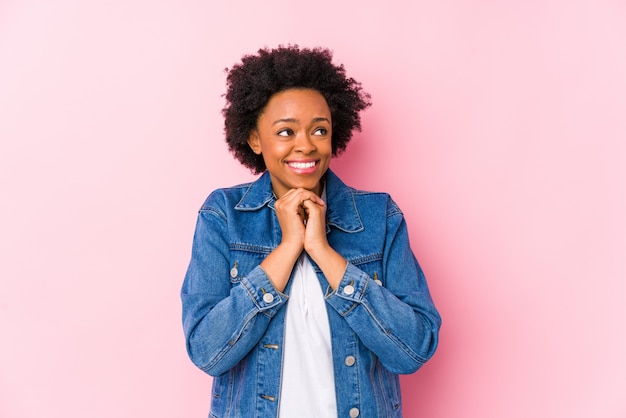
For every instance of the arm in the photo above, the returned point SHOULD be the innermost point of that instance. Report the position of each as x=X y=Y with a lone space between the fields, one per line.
x=222 y=324
x=398 y=321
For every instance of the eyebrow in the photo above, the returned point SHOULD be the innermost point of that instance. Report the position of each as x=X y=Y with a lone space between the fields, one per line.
x=293 y=120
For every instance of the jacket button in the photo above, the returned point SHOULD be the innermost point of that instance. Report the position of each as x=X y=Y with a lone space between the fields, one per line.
x=268 y=298
x=234 y=272
x=350 y=361
x=378 y=282
x=354 y=412
x=348 y=290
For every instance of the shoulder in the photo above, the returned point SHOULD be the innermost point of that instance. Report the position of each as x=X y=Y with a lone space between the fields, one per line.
x=365 y=198
x=363 y=201
x=226 y=197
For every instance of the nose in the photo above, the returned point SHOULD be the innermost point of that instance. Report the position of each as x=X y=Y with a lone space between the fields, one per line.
x=304 y=143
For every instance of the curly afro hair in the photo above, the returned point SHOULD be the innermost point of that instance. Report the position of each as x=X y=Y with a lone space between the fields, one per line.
x=251 y=83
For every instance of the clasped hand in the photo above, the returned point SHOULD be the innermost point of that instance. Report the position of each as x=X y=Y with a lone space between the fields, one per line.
x=302 y=218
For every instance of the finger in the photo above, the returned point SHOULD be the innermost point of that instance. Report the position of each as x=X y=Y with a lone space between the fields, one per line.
x=315 y=212
x=289 y=201
x=304 y=213
x=312 y=197
x=295 y=197
x=310 y=205
x=303 y=194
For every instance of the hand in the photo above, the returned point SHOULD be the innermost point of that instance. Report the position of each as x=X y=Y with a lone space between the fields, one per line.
x=316 y=244
x=295 y=210
x=302 y=218
x=315 y=225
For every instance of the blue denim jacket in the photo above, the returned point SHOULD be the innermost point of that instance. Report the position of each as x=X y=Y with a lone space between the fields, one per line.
x=382 y=319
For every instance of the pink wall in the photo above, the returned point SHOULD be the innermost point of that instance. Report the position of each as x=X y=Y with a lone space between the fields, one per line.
x=498 y=126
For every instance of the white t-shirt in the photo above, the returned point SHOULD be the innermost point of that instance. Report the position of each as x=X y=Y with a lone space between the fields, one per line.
x=308 y=383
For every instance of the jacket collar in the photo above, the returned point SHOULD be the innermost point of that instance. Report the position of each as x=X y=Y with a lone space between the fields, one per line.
x=342 y=212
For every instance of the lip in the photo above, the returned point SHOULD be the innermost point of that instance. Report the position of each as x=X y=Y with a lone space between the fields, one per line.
x=308 y=166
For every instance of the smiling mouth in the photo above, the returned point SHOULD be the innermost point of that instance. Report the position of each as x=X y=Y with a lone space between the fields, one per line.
x=302 y=165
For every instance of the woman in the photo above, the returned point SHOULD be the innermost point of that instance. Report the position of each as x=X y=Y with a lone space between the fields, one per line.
x=303 y=297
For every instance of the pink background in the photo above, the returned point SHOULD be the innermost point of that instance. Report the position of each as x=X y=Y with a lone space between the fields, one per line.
x=498 y=126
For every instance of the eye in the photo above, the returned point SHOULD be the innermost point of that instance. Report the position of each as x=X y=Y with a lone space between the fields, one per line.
x=320 y=131
x=285 y=132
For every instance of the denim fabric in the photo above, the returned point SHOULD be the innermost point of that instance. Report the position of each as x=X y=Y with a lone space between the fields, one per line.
x=382 y=319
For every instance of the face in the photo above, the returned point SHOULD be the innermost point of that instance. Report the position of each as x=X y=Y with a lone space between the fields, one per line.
x=293 y=134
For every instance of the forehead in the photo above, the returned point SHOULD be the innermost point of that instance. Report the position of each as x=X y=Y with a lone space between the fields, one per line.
x=296 y=102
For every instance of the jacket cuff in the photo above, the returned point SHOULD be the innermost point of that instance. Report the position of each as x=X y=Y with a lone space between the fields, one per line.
x=350 y=292
x=266 y=298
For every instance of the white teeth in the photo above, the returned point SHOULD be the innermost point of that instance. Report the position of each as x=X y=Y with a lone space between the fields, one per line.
x=302 y=165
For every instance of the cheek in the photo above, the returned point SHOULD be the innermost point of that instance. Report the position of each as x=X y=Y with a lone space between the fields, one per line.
x=275 y=151
x=326 y=147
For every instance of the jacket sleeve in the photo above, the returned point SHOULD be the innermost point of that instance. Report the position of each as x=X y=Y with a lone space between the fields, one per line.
x=397 y=321
x=222 y=322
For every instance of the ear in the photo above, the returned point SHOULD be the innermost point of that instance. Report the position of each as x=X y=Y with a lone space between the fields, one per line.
x=254 y=141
